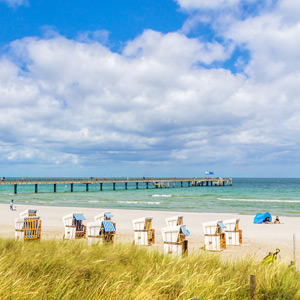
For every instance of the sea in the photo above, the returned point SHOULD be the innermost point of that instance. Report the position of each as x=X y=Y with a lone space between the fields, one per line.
x=247 y=196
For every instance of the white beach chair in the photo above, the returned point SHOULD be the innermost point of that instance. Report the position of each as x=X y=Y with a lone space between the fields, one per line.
x=103 y=230
x=174 y=221
x=175 y=241
x=74 y=227
x=28 y=213
x=143 y=232
x=214 y=238
x=105 y=216
x=28 y=228
x=232 y=232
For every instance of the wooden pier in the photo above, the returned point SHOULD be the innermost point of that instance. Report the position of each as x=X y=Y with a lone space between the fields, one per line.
x=154 y=182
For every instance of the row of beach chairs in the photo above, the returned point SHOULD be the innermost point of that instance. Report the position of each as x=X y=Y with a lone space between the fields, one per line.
x=217 y=234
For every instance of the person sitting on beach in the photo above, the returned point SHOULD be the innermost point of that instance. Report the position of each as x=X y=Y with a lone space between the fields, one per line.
x=277 y=220
x=267 y=221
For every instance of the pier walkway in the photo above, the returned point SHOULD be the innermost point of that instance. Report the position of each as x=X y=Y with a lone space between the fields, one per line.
x=155 y=182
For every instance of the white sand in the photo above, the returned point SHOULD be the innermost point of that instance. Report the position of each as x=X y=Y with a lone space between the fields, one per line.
x=258 y=240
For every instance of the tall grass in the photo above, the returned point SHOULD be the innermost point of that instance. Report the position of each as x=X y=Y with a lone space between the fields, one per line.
x=74 y=270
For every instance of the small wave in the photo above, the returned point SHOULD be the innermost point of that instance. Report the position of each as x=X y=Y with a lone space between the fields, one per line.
x=259 y=200
x=157 y=195
x=138 y=202
x=93 y=201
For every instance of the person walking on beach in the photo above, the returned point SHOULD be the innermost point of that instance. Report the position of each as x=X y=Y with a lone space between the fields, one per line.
x=12 y=205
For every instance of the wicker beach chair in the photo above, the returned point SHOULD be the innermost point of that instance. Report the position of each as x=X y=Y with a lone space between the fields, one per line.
x=214 y=237
x=28 y=228
x=103 y=230
x=28 y=213
x=74 y=227
x=143 y=232
x=105 y=216
x=174 y=221
x=232 y=232
x=175 y=241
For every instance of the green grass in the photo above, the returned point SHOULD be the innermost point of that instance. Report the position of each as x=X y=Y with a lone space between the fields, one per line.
x=74 y=270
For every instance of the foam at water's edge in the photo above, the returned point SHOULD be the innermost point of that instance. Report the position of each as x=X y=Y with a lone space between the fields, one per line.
x=138 y=202
x=259 y=200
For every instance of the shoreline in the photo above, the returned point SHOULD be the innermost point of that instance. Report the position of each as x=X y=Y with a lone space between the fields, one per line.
x=258 y=239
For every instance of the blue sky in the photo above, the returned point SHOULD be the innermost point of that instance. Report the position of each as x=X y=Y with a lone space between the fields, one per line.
x=149 y=88
x=124 y=20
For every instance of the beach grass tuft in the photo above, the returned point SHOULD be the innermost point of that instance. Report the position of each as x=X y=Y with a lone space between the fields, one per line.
x=73 y=270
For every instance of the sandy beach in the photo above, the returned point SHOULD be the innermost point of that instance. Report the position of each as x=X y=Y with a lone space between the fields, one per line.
x=258 y=240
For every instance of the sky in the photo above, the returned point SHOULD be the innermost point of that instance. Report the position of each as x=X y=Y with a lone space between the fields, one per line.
x=150 y=88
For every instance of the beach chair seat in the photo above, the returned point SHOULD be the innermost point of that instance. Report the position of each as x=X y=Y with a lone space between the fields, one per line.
x=144 y=234
x=28 y=228
x=174 y=239
x=214 y=237
x=232 y=232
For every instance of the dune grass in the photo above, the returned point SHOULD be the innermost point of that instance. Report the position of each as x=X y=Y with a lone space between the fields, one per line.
x=74 y=270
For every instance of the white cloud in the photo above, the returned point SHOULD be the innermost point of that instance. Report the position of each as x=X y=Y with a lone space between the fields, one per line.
x=207 y=4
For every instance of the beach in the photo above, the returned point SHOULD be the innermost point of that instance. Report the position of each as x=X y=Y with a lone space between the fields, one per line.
x=258 y=239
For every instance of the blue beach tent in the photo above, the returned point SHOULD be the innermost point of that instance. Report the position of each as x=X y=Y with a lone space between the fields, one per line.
x=258 y=219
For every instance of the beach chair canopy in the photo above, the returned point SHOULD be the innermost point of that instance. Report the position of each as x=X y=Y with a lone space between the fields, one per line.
x=79 y=217
x=108 y=226
x=259 y=218
x=184 y=230
x=108 y=215
x=221 y=225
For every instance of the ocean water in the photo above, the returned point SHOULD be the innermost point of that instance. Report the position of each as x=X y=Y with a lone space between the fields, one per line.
x=279 y=196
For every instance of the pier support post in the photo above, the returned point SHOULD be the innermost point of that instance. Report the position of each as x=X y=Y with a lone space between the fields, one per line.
x=125 y=185
x=114 y=186
x=181 y=184
x=147 y=185
x=36 y=188
x=54 y=187
x=87 y=187
x=206 y=183
x=15 y=188
x=189 y=184
x=71 y=187
x=137 y=185
x=101 y=186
